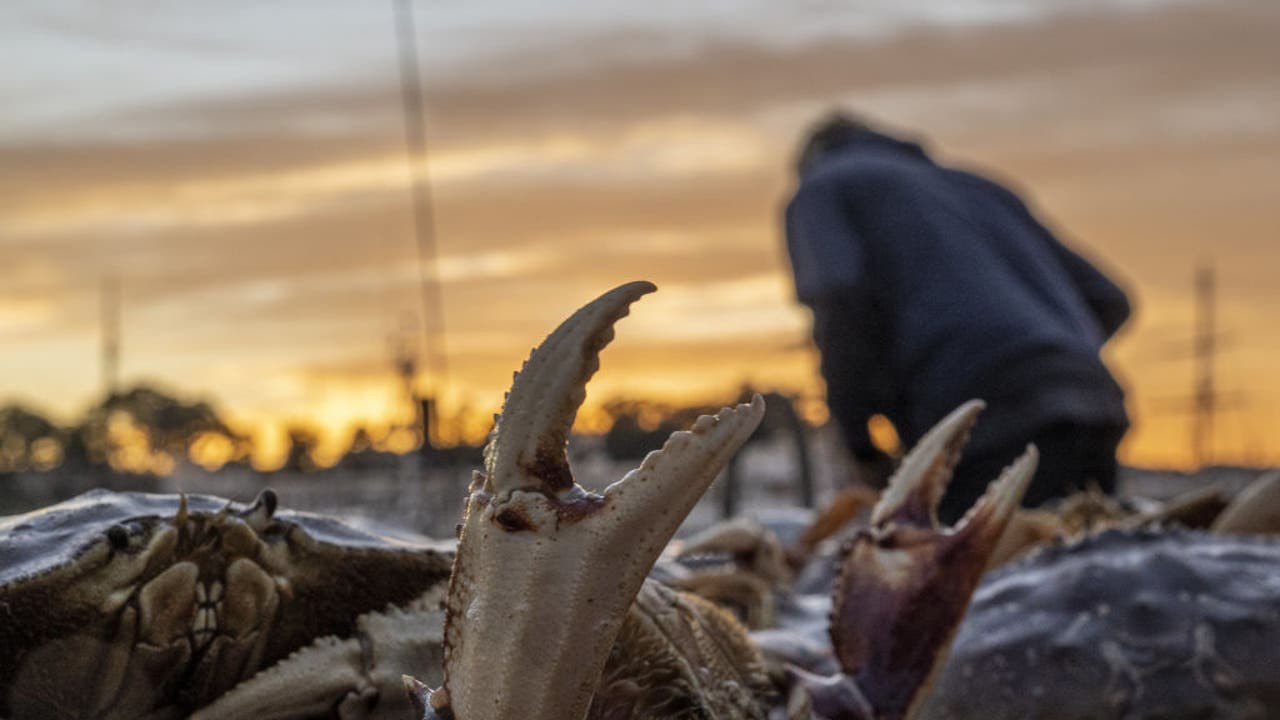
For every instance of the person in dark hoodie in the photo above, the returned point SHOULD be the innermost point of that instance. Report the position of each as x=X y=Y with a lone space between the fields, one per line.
x=930 y=286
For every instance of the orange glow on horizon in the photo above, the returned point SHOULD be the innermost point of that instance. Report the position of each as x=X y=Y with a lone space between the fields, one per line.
x=1159 y=441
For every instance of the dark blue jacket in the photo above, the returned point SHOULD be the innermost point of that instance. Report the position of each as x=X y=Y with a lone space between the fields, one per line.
x=931 y=286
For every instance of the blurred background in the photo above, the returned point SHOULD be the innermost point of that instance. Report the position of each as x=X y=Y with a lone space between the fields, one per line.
x=241 y=237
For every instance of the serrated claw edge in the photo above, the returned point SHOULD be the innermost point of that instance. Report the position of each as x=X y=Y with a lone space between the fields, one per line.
x=917 y=487
x=527 y=446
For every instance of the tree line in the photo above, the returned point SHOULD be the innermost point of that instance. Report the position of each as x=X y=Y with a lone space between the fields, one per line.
x=139 y=429
x=145 y=429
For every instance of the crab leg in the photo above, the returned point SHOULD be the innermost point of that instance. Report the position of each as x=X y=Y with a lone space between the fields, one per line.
x=1256 y=511
x=906 y=582
x=334 y=673
x=545 y=570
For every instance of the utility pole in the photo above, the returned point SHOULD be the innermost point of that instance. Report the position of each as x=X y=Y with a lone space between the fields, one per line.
x=423 y=212
x=109 y=306
x=1204 y=349
x=405 y=359
x=1207 y=402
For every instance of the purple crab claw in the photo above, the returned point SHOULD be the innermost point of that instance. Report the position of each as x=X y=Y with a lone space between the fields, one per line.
x=905 y=582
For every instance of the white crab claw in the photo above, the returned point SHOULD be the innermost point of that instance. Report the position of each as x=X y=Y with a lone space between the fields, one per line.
x=545 y=570
x=527 y=447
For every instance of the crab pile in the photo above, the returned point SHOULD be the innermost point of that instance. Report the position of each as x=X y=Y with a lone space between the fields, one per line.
x=554 y=602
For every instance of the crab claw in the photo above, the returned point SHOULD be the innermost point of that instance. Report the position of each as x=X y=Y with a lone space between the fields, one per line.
x=905 y=582
x=527 y=447
x=545 y=570
x=748 y=544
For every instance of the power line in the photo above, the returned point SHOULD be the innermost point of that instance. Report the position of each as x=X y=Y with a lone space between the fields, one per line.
x=424 y=225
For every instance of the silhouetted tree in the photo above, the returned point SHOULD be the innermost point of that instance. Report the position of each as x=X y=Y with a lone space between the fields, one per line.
x=302 y=446
x=28 y=440
x=361 y=454
x=639 y=427
x=168 y=426
x=361 y=441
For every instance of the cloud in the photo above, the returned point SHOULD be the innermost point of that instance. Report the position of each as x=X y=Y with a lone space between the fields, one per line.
x=17 y=316
x=260 y=234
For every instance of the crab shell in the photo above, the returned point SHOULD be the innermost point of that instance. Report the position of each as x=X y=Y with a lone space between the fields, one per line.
x=1164 y=624
x=127 y=605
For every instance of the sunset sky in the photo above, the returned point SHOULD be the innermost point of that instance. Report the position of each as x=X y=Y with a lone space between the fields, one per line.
x=240 y=168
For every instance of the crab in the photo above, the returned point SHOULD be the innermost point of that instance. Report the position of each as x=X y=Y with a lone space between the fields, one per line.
x=756 y=566
x=132 y=605
x=1253 y=511
x=1138 y=619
